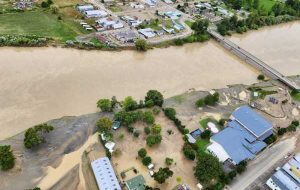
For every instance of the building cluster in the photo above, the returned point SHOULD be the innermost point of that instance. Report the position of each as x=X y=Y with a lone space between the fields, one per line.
x=243 y=138
x=287 y=177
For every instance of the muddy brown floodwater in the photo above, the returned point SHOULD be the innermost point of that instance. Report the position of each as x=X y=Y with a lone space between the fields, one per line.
x=39 y=84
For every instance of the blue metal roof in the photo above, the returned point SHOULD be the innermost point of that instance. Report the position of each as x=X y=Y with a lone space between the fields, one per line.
x=251 y=120
x=285 y=181
x=238 y=142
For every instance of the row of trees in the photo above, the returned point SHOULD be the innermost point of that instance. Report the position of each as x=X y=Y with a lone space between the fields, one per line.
x=152 y=98
x=23 y=40
x=36 y=135
x=210 y=100
x=171 y=114
x=291 y=128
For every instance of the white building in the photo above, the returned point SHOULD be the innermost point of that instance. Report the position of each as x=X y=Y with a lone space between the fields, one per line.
x=109 y=23
x=147 y=32
x=104 y=173
x=83 y=8
x=95 y=13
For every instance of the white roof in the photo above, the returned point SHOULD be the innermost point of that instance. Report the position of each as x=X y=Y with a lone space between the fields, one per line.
x=216 y=149
x=212 y=127
x=110 y=146
x=105 y=175
x=96 y=13
x=191 y=139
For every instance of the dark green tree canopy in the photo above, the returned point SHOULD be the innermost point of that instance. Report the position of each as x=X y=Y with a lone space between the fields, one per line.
x=162 y=175
x=7 y=159
x=36 y=135
x=155 y=96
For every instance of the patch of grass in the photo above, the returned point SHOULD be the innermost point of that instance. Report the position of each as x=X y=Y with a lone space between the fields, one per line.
x=179 y=98
x=296 y=96
x=202 y=144
x=203 y=122
x=189 y=23
x=36 y=23
x=267 y=4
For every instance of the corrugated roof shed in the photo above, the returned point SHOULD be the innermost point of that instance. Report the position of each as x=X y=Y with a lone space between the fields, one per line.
x=251 y=120
x=105 y=175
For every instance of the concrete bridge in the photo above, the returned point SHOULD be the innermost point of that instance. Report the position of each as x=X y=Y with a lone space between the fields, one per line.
x=254 y=61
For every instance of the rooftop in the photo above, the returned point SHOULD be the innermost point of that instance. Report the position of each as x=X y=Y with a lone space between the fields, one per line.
x=105 y=175
x=251 y=120
x=136 y=183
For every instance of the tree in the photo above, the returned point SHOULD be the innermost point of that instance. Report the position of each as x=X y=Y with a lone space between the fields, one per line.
x=7 y=159
x=169 y=161
x=142 y=153
x=146 y=160
x=136 y=133
x=147 y=130
x=261 y=77
x=295 y=122
x=189 y=152
x=200 y=103
x=35 y=136
x=281 y=131
x=200 y=26
x=170 y=113
x=104 y=124
x=206 y=134
x=105 y=105
x=148 y=117
x=162 y=175
x=155 y=96
x=153 y=139
x=208 y=169
x=129 y=104
x=156 y=129
x=141 y=45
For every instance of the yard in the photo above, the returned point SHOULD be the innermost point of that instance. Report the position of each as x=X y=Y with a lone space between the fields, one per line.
x=170 y=147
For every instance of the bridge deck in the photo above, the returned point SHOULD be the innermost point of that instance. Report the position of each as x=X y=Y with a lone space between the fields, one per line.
x=251 y=59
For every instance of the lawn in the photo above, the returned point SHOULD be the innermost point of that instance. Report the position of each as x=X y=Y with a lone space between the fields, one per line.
x=267 y=4
x=37 y=23
x=296 y=96
x=203 y=122
x=202 y=144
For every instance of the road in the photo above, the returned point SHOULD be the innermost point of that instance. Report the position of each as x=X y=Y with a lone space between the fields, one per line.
x=263 y=163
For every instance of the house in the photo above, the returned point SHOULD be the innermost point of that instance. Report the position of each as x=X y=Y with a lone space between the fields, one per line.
x=83 y=8
x=127 y=36
x=110 y=146
x=95 y=13
x=243 y=137
x=177 y=26
x=150 y=3
x=147 y=32
x=109 y=23
x=105 y=175
x=287 y=177
x=174 y=15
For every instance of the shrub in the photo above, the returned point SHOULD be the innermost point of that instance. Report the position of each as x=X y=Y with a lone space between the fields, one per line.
x=189 y=152
x=169 y=161
x=295 y=122
x=141 y=45
x=261 y=77
x=35 y=136
x=200 y=103
x=147 y=130
x=156 y=129
x=206 y=134
x=7 y=159
x=148 y=118
x=105 y=105
x=156 y=111
x=136 y=133
x=153 y=139
x=281 y=131
x=155 y=96
x=146 y=160
x=142 y=153
x=104 y=124
x=170 y=113
x=149 y=103
x=129 y=104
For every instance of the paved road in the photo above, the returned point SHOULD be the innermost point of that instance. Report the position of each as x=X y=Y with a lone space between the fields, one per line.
x=263 y=163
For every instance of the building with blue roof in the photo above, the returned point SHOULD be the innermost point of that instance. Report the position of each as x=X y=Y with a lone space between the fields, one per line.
x=243 y=137
x=287 y=177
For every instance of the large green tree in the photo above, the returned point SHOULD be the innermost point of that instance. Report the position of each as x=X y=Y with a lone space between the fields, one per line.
x=104 y=124
x=130 y=104
x=7 y=159
x=162 y=175
x=105 y=105
x=208 y=169
x=155 y=96
x=35 y=136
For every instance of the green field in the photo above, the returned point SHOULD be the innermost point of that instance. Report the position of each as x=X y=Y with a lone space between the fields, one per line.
x=296 y=96
x=267 y=4
x=38 y=23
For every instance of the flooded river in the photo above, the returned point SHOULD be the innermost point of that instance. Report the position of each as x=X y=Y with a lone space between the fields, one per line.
x=38 y=84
